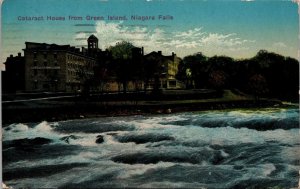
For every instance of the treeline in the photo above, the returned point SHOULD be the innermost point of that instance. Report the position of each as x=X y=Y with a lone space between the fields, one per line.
x=265 y=75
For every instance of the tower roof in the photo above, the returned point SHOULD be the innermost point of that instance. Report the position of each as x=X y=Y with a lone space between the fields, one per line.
x=92 y=38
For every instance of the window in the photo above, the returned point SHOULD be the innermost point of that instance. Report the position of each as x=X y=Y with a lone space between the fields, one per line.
x=35 y=63
x=45 y=55
x=45 y=71
x=35 y=72
x=45 y=63
x=55 y=55
x=35 y=85
x=45 y=86
x=172 y=83
x=34 y=55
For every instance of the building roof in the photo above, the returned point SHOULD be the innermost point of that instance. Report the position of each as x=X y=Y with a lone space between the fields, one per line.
x=92 y=37
x=158 y=55
x=45 y=46
x=33 y=46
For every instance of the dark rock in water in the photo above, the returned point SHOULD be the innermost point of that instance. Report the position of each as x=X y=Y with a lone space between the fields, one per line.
x=67 y=138
x=31 y=142
x=112 y=134
x=238 y=167
x=217 y=159
x=99 y=139
x=7 y=128
x=144 y=138
x=26 y=143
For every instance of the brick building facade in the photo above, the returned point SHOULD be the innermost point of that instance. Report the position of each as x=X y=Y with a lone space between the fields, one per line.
x=51 y=67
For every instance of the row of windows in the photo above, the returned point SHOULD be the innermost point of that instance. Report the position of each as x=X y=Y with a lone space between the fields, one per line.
x=75 y=58
x=37 y=85
x=172 y=70
x=45 y=63
x=74 y=66
x=44 y=72
x=72 y=73
x=87 y=63
x=75 y=73
x=79 y=67
x=45 y=54
x=79 y=60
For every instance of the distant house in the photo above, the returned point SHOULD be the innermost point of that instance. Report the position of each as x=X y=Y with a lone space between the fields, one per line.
x=165 y=69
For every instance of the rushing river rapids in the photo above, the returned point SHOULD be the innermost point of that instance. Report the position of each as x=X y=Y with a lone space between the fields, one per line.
x=215 y=149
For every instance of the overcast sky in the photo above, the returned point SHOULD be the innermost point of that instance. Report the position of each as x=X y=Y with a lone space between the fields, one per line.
x=229 y=27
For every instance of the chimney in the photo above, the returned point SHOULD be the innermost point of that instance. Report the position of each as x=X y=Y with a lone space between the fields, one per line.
x=173 y=56
x=11 y=56
x=159 y=52
x=143 y=51
x=19 y=54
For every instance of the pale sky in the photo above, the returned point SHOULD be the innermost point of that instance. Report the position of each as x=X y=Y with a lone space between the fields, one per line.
x=214 y=27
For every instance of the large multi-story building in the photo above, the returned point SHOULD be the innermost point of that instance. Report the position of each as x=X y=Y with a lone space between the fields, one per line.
x=51 y=67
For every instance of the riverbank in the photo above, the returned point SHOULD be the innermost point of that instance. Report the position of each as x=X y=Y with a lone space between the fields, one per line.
x=77 y=108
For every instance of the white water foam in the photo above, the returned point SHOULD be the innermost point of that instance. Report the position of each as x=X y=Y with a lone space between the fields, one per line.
x=20 y=131
x=268 y=169
x=98 y=156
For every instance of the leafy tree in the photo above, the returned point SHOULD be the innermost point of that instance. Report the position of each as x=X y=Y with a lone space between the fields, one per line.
x=220 y=71
x=290 y=78
x=217 y=79
x=240 y=75
x=281 y=74
x=195 y=68
x=122 y=61
x=257 y=85
x=122 y=50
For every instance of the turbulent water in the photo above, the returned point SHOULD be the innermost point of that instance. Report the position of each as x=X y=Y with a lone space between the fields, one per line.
x=215 y=149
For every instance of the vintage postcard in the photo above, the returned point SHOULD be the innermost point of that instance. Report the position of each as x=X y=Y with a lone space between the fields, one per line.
x=150 y=94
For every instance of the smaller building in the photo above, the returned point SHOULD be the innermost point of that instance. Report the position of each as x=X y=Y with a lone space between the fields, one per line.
x=13 y=78
x=165 y=69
